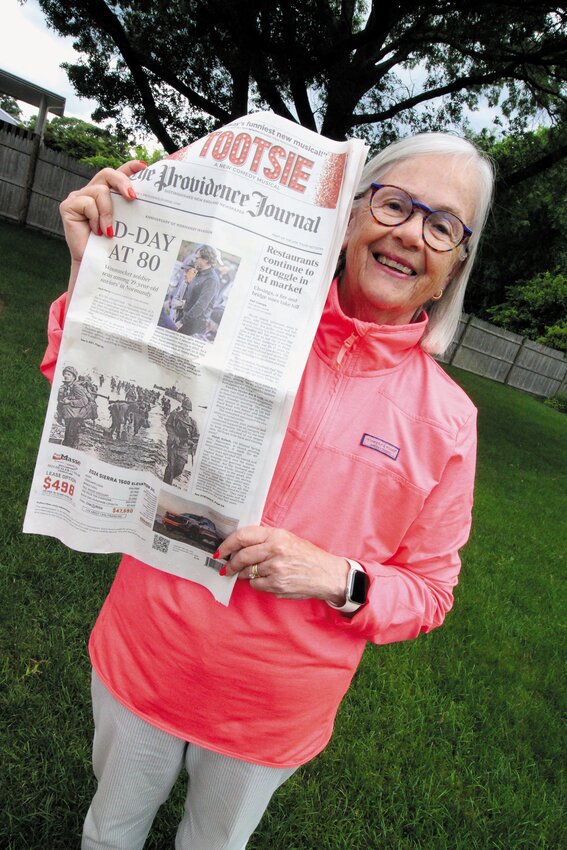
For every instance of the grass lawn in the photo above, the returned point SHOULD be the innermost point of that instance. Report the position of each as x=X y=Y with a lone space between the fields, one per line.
x=451 y=742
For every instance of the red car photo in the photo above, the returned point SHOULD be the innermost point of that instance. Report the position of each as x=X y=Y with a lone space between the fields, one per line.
x=201 y=529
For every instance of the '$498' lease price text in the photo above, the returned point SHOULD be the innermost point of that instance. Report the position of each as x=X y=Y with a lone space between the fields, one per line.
x=58 y=484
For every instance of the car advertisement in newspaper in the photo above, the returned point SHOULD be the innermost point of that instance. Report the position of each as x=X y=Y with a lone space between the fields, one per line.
x=185 y=342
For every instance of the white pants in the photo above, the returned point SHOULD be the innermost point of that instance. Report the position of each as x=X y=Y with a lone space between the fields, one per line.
x=136 y=766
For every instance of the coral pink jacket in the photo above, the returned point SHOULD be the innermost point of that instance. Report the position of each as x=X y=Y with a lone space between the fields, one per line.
x=377 y=465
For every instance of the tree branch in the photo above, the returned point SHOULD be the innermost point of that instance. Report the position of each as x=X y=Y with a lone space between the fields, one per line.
x=506 y=181
x=136 y=62
x=430 y=94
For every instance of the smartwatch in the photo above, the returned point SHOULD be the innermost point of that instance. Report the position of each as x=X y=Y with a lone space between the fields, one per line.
x=356 y=589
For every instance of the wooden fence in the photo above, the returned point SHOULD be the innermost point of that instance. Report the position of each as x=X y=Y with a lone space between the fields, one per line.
x=507 y=357
x=34 y=180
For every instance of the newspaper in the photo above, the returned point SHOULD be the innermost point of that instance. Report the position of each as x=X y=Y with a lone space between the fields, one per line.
x=184 y=345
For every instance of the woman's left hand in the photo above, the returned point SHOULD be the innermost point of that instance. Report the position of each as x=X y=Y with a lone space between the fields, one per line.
x=286 y=565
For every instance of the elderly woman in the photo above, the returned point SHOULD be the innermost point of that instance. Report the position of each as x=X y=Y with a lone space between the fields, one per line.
x=369 y=504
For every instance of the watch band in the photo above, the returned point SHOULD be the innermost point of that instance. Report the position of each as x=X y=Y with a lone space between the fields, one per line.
x=350 y=606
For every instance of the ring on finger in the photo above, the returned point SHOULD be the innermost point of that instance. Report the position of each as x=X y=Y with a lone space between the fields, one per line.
x=254 y=572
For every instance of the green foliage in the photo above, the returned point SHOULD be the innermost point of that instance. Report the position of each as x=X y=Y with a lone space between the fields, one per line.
x=9 y=105
x=136 y=152
x=557 y=402
x=99 y=147
x=141 y=152
x=555 y=336
x=536 y=309
x=102 y=161
x=180 y=68
x=525 y=234
x=85 y=142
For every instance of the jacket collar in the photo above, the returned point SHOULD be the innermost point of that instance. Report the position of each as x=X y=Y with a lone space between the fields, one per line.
x=359 y=347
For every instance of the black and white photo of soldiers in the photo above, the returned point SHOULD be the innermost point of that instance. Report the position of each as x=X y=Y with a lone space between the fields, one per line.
x=74 y=406
x=133 y=424
x=182 y=439
x=92 y=393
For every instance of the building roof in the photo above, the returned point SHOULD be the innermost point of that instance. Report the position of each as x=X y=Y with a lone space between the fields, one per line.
x=9 y=119
x=22 y=89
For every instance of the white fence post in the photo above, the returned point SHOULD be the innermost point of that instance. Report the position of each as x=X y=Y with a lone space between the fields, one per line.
x=461 y=338
x=514 y=361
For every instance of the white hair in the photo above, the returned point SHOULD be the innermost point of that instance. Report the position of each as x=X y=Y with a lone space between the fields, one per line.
x=444 y=314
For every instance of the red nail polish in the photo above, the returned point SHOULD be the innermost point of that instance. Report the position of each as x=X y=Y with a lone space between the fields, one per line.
x=222 y=571
x=216 y=554
x=110 y=231
x=132 y=194
x=99 y=232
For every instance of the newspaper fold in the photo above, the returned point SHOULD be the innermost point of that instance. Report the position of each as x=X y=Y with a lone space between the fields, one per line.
x=184 y=345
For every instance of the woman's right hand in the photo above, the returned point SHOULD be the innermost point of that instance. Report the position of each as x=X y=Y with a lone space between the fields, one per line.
x=90 y=209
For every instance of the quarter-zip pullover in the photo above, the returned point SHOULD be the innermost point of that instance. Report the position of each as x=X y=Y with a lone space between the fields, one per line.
x=377 y=465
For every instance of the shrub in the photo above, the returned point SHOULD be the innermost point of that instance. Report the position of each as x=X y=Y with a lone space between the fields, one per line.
x=557 y=402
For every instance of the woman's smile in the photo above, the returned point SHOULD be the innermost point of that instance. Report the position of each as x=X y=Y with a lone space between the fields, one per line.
x=394 y=264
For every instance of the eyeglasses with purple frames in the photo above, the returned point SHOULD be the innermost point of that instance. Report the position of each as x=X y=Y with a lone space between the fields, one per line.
x=391 y=206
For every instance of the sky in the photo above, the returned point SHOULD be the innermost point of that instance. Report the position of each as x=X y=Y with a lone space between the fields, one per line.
x=34 y=52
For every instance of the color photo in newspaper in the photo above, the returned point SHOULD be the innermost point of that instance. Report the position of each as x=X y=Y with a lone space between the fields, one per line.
x=184 y=345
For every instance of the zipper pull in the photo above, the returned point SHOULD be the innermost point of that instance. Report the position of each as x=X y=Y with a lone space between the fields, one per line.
x=346 y=346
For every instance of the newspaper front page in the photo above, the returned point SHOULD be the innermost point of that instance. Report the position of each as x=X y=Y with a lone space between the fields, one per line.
x=184 y=345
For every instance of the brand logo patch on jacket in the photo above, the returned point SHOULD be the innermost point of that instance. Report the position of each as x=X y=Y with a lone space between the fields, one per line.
x=380 y=445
